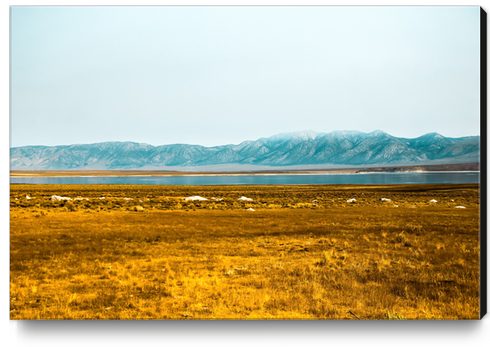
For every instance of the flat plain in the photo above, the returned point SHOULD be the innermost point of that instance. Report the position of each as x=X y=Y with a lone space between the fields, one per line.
x=291 y=252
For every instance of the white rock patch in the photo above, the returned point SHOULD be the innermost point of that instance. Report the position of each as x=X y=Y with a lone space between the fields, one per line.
x=433 y=200
x=351 y=200
x=58 y=198
x=196 y=197
x=250 y=209
x=385 y=199
x=460 y=207
x=242 y=198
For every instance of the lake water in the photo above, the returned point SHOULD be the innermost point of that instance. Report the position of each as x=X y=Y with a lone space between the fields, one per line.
x=372 y=178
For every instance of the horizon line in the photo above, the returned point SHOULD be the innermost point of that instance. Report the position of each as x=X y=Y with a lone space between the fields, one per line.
x=278 y=134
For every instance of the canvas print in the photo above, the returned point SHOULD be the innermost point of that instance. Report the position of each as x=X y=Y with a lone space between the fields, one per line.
x=246 y=162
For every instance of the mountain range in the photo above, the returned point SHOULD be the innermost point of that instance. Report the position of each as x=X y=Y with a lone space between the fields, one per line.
x=305 y=148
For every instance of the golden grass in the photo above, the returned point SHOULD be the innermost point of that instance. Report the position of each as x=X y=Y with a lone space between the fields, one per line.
x=290 y=259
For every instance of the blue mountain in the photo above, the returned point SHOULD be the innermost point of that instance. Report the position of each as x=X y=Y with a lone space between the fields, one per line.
x=339 y=148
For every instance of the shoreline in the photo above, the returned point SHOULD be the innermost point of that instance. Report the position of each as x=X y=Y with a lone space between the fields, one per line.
x=241 y=174
x=440 y=168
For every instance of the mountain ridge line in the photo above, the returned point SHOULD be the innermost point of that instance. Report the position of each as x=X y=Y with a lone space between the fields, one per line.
x=306 y=148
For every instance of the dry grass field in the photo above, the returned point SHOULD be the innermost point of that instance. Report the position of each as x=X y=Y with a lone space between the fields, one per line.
x=304 y=252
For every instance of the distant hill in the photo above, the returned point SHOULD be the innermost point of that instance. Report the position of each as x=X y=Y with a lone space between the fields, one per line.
x=306 y=148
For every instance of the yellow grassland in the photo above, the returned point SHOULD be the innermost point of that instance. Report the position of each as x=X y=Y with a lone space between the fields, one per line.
x=304 y=253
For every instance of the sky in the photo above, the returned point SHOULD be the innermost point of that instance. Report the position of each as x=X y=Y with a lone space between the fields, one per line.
x=220 y=75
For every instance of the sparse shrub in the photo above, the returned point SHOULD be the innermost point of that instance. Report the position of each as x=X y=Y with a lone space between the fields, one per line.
x=463 y=248
x=303 y=205
x=414 y=229
x=342 y=256
x=401 y=237
x=440 y=246
x=394 y=316
x=70 y=206
x=400 y=291
x=327 y=258
x=382 y=263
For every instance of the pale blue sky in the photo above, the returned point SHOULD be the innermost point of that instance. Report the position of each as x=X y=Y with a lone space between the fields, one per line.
x=220 y=75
